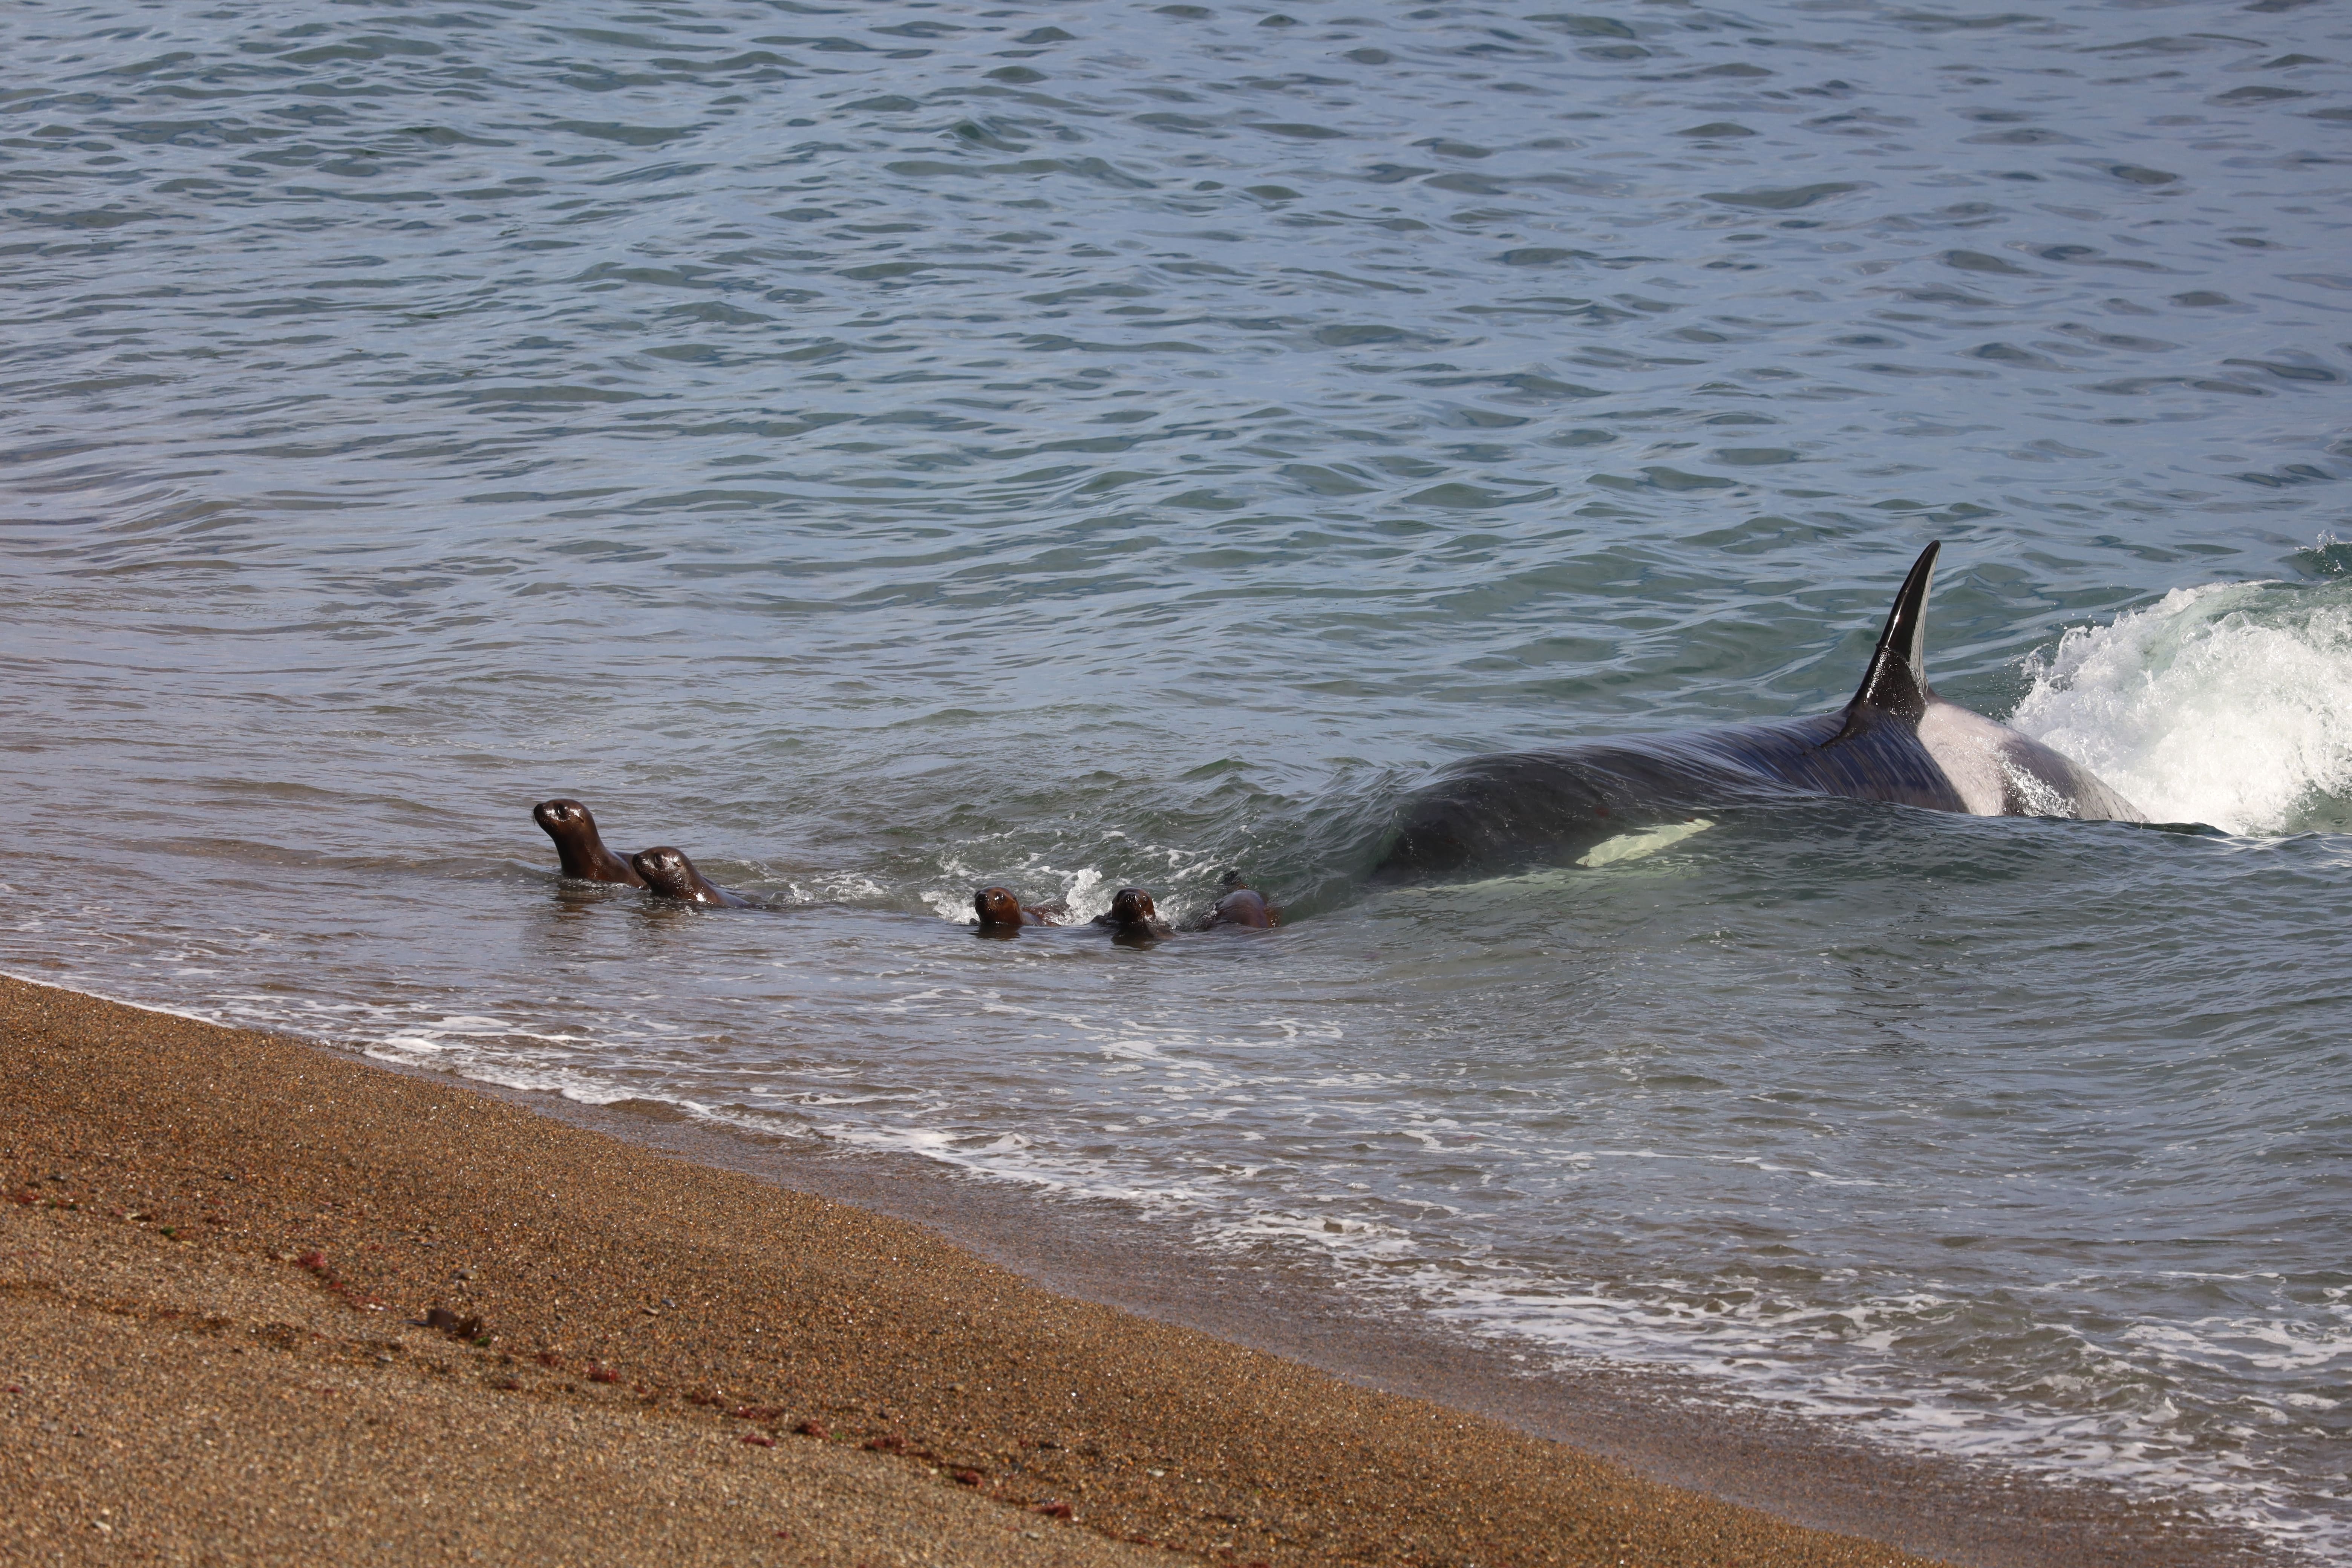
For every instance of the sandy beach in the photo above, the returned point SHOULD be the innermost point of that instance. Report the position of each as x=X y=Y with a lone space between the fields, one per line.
x=263 y=1299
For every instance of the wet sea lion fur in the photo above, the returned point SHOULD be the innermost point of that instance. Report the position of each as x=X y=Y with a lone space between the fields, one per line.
x=578 y=845
x=668 y=874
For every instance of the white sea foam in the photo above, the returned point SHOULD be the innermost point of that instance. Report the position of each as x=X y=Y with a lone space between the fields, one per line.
x=1085 y=892
x=1764 y=1349
x=2229 y=704
x=1742 y=1344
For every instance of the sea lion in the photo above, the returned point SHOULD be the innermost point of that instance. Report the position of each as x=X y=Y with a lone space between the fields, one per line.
x=1132 y=919
x=668 y=874
x=1241 y=906
x=578 y=846
x=1612 y=800
x=1000 y=908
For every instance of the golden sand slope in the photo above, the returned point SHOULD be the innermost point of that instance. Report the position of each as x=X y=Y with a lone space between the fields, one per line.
x=184 y=1401
x=218 y=1241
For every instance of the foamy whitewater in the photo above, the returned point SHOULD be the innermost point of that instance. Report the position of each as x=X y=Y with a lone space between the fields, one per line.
x=2228 y=704
x=892 y=449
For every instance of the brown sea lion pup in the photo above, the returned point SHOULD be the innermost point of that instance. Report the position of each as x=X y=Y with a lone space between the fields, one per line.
x=577 y=844
x=668 y=874
x=1241 y=906
x=1133 y=919
x=1000 y=908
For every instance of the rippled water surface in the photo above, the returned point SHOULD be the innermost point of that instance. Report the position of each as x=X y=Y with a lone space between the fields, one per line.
x=890 y=447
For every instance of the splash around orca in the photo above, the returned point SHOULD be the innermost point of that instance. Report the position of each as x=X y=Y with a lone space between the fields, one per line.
x=1605 y=800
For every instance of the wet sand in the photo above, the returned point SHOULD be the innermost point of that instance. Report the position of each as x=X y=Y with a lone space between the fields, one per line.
x=223 y=1248
x=1669 y=1426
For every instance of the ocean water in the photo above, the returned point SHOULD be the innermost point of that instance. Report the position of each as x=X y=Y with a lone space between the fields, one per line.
x=885 y=448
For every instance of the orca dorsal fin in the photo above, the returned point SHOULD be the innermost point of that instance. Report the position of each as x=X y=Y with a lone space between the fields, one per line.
x=1896 y=684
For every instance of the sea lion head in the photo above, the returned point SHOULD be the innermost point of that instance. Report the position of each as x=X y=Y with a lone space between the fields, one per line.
x=1241 y=907
x=578 y=845
x=564 y=818
x=667 y=871
x=1132 y=906
x=997 y=907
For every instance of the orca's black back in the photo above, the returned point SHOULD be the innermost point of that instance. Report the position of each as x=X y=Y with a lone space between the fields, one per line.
x=1518 y=809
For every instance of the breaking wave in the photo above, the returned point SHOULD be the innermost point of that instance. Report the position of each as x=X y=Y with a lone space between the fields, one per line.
x=2229 y=704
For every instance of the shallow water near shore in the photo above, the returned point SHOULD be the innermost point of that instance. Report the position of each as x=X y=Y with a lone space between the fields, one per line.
x=884 y=450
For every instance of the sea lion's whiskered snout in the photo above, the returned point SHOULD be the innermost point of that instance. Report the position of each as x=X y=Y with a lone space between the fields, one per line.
x=1001 y=913
x=664 y=870
x=668 y=874
x=578 y=845
x=1133 y=918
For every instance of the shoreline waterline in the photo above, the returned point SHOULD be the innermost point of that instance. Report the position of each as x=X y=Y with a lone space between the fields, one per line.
x=890 y=450
x=1954 y=1510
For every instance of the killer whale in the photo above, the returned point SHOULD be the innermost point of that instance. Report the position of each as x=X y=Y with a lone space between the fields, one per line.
x=1897 y=740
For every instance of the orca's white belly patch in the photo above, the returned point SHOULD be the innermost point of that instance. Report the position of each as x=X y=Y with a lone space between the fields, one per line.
x=1633 y=846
